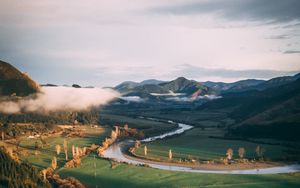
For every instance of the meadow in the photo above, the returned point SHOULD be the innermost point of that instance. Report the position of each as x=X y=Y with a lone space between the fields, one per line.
x=203 y=144
x=97 y=172
x=45 y=155
x=127 y=176
x=91 y=136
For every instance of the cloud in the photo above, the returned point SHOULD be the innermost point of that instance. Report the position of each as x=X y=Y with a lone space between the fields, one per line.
x=132 y=99
x=246 y=10
x=171 y=93
x=292 y=52
x=59 y=99
x=279 y=37
x=192 y=99
x=103 y=43
x=200 y=72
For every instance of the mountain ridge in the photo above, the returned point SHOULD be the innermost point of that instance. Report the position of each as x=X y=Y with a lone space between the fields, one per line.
x=14 y=82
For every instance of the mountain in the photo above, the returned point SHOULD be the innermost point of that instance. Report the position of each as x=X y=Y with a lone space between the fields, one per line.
x=151 y=82
x=49 y=85
x=217 y=86
x=270 y=113
x=14 y=82
x=179 y=85
x=183 y=85
x=278 y=81
x=126 y=86
x=249 y=84
x=242 y=85
x=130 y=86
x=18 y=174
x=76 y=86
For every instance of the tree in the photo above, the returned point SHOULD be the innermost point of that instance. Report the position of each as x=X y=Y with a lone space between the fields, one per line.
x=145 y=150
x=84 y=151
x=44 y=172
x=18 y=142
x=170 y=154
x=229 y=153
x=44 y=143
x=66 y=148
x=114 y=135
x=73 y=151
x=36 y=145
x=242 y=152
x=54 y=163
x=77 y=152
x=58 y=149
x=260 y=151
x=9 y=150
x=137 y=144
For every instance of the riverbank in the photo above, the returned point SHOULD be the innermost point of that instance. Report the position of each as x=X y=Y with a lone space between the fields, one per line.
x=116 y=152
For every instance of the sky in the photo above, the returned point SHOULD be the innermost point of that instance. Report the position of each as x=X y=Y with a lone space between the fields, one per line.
x=105 y=42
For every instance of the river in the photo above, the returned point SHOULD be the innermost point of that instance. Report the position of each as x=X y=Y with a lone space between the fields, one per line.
x=114 y=152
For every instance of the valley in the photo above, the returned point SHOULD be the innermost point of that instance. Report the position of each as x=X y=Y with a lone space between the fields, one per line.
x=226 y=137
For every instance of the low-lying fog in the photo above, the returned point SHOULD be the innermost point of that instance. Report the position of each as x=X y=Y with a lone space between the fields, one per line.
x=59 y=99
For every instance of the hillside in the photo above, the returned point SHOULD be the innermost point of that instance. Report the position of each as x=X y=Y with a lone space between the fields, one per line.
x=238 y=86
x=183 y=85
x=14 y=174
x=249 y=84
x=148 y=87
x=12 y=81
x=278 y=81
x=272 y=113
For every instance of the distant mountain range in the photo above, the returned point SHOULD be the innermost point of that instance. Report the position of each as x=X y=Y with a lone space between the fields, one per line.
x=127 y=86
x=193 y=88
x=180 y=89
x=272 y=112
x=14 y=82
x=221 y=87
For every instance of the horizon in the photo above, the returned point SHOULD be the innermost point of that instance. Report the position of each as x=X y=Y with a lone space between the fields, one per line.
x=140 y=81
x=101 y=44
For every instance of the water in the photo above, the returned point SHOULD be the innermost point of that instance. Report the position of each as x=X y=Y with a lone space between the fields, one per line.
x=114 y=152
x=182 y=128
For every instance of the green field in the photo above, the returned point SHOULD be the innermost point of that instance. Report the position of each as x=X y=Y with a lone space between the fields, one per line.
x=149 y=127
x=217 y=118
x=93 y=135
x=43 y=160
x=97 y=172
x=127 y=176
x=197 y=144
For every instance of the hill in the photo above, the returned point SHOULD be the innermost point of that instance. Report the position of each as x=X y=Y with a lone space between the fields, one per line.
x=151 y=82
x=270 y=113
x=130 y=86
x=278 y=81
x=149 y=87
x=249 y=84
x=14 y=82
x=14 y=174
x=238 y=86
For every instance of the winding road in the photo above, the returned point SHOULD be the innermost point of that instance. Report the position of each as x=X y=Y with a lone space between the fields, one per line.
x=114 y=152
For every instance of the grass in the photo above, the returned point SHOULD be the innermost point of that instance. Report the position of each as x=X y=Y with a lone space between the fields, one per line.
x=132 y=176
x=197 y=144
x=193 y=117
x=149 y=127
x=43 y=160
x=96 y=136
